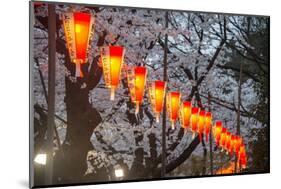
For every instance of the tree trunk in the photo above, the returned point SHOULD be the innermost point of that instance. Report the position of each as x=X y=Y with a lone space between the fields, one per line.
x=82 y=119
x=51 y=92
x=238 y=110
x=210 y=136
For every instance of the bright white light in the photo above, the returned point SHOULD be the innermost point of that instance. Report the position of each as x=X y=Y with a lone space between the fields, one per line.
x=40 y=159
x=119 y=173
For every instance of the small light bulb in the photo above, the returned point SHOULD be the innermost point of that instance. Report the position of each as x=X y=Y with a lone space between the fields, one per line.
x=40 y=159
x=119 y=173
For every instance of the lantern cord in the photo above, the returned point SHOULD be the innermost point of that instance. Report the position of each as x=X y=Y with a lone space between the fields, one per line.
x=173 y=125
x=193 y=135
x=157 y=118
x=137 y=108
x=78 y=72
x=112 y=93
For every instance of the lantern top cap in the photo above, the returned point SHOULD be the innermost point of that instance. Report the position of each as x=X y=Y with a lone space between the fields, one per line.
x=116 y=50
x=208 y=114
x=82 y=15
x=186 y=103
x=160 y=83
x=175 y=93
x=219 y=123
x=202 y=113
x=195 y=110
x=224 y=130
x=140 y=70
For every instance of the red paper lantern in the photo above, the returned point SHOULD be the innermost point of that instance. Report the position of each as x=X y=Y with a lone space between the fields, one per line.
x=77 y=29
x=227 y=141
x=185 y=114
x=232 y=144
x=194 y=120
x=223 y=137
x=242 y=158
x=173 y=106
x=217 y=131
x=237 y=145
x=157 y=90
x=201 y=124
x=136 y=82
x=208 y=124
x=112 y=60
x=243 y=162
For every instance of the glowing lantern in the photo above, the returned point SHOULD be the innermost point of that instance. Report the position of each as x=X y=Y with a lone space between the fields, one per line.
x=243 y=161
x=112 y=60
x=157 y=90
x=217 y=131
x=185 y=114
x=227 y=141
x=194 y=120
x=242 y=156
x=232 y=144
x=173 y=106
x=237 y=145
x=136 y=81
x=208 y=124
x=41 y=159
x=223 y=137
x=77 y=29
x=201 y=124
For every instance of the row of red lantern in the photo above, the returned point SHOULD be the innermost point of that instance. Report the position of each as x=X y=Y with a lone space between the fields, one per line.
x=192 y=118
x=78 y=26
x=112 y=61
x=230 y=142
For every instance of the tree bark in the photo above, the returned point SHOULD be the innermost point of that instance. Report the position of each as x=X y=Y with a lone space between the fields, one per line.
x=51 y=92
x=163 y=164
x=210 y=136
x=238 y=111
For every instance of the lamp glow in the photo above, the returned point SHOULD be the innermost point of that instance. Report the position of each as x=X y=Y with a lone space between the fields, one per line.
x=231 y=145
x=227 y=141
x=185 y=114
x=194 y=120
x=208 y=124
x=136 y=81
x=40 y=159
x=237 y=145
x=157 y=91
x=119 y=173
x=201 y=124
x=223 y=137
x=112 y=60
x=77 y=29
x=217 y=131
x=242 y=157
x=173 y=106
x=140 y=74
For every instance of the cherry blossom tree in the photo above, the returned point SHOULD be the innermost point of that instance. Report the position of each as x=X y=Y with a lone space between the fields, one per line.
x=96 y=134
